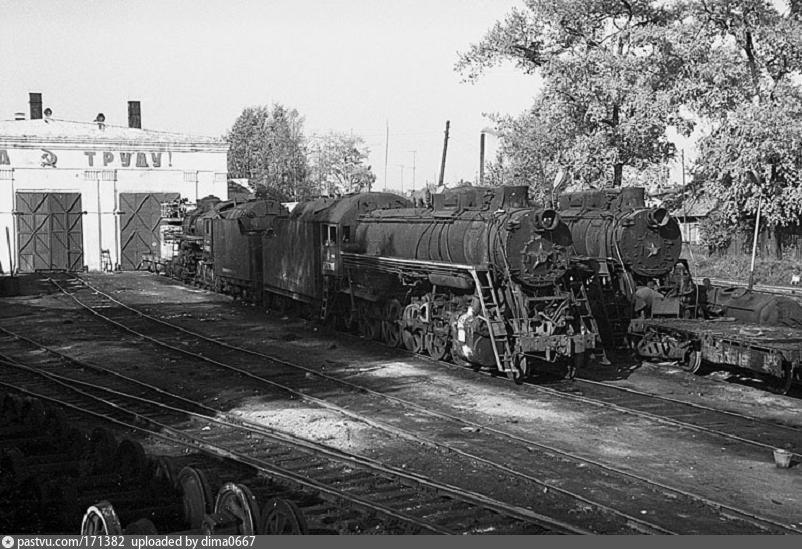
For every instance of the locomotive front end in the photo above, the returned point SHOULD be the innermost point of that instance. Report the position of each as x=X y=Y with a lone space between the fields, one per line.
x=649 y=241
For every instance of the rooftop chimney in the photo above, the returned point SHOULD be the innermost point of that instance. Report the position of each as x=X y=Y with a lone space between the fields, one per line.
x=134 y=115
x=36 y=105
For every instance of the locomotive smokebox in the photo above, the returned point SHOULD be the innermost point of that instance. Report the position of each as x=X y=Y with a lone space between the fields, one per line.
x=649 y=241
x=617 y=225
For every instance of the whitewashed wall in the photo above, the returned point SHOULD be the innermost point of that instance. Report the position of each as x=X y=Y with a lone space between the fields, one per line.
x=103 y=171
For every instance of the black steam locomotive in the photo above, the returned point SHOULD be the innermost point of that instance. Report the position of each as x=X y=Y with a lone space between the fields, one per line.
x=630 y=246
x=482 y=277
x=643 y=294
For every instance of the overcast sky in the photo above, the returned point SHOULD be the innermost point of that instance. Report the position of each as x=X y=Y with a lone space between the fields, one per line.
x=346 y=65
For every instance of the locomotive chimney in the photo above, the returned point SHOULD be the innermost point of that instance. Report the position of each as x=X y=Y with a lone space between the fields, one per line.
x=134 y=115
x=35 y=101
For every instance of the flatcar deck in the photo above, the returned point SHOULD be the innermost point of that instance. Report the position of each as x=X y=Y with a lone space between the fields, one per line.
x=772 y=350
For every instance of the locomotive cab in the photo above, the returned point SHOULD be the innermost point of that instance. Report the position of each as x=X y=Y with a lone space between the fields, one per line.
x=331 y=249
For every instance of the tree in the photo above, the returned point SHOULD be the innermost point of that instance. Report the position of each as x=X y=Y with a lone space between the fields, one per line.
x=267 y=146
x=338 y=164
x=608 y=69
x=744 y=82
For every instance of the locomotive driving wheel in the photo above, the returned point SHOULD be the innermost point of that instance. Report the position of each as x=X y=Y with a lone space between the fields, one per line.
x=437 y=344
x=391 y=329
x=413 y=339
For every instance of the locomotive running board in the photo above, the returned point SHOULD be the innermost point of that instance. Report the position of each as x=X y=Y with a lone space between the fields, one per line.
x=381 y=261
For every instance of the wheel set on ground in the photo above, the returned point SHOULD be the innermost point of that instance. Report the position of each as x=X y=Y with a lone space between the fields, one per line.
x=51 y=469
x=235 y=510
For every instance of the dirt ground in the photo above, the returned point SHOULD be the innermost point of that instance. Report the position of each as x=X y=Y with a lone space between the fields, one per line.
x=720 y=470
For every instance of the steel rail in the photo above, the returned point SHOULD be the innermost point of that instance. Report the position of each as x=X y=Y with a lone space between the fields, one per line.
x=731 y=413
x=201 y=445
x=702 y=499
x=635 y=520
x=229 y=420
x=657 y=418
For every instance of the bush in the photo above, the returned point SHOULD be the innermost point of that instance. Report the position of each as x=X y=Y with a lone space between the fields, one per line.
x=736 y=268
x=716 y=232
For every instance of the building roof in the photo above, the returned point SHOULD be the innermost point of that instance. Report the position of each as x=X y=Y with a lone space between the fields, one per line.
x=698 y=206
x=54 y=130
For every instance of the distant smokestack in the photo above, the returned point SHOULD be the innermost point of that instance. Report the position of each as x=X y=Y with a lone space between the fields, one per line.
x=134 y=115
x=36 y=105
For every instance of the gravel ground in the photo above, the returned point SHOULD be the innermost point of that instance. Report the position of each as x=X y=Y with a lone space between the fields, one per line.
x=740 y=477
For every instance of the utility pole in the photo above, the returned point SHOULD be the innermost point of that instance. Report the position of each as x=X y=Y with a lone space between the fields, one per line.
x=386 y=152
x=754 y=244
x=481 y=159
x=402 y=166
x=445 y=151
x=414 y=153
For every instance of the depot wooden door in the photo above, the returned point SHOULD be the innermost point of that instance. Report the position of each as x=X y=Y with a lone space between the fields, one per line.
x=49 y=231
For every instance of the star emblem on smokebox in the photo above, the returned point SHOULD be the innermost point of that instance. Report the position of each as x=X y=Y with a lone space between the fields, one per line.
x=653 y=250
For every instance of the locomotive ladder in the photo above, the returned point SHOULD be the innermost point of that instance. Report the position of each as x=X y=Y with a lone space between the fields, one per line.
x=324 y=306
x=485 y=287
x=584 y=302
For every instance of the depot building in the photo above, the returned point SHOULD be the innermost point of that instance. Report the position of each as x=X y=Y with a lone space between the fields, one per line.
x=88 y=195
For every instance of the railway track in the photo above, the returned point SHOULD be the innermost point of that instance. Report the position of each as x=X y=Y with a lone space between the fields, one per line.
x=403 y=498
x=707 y=514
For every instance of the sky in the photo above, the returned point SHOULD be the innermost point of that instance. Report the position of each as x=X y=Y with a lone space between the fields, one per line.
x=346 y=65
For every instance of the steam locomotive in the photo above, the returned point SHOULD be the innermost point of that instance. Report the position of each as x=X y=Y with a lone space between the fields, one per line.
x=643 y=294
x=481 y=277
x=630 y=245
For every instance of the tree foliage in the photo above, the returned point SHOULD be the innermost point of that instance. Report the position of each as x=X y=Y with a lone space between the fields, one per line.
x=338 y=164
x=618 y=73
x=608 y=69
x=748 y=58
x=267 y=146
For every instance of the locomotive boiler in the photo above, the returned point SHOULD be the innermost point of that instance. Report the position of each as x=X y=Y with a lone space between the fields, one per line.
x=615 y=225
x=483 y=277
